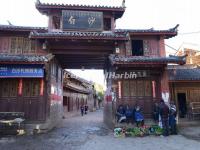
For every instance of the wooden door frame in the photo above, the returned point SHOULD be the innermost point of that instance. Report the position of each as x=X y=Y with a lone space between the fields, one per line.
x=176 y=96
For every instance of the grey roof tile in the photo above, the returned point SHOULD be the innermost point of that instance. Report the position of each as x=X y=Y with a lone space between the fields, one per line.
x=115 y=59
x=43 y=5
x=93 y=35
x=184 y=74
x=25 y=58
x=21 y=28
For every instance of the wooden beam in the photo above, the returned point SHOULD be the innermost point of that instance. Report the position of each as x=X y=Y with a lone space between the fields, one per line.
x=83 y=56
x=77 y=47
x=68 y=66
x=54 y=52
x=80 y=58
x=59 y=42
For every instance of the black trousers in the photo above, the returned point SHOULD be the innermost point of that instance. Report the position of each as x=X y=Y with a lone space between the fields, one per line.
x=165 y=124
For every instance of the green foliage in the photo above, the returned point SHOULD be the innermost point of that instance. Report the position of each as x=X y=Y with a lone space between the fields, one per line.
x=99 y=90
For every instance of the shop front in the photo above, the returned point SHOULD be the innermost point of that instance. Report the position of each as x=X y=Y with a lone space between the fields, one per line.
x=22 y=90
x=138 y=81
x=141 y=89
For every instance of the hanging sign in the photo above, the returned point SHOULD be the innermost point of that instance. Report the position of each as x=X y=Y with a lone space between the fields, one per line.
x=17 y=71
x=82 y=20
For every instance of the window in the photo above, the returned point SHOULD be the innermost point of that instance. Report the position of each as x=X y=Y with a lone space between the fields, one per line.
x=140 y=88
x=148 y=88
x=137 y=88
x=126 y=88
x=56 y=22
x=133 y=88
x=4 y=44
x=21 y=45
x=16 y=45
x=31 y=87
x=107 y=24
x=137 y=48
x=9 y=87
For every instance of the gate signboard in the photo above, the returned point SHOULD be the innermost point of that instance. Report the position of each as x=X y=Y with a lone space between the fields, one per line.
x=82 y=20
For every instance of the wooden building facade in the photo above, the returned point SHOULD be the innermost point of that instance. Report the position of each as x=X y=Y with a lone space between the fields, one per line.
x=31 y=78
x=77 y=92
x=184 y=82
x=78 y=37
x=144 y=55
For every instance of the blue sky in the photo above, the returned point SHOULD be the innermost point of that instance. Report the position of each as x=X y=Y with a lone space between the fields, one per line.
x=140 y=14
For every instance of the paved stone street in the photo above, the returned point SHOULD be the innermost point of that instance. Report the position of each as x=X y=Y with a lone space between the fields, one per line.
x=89 y=133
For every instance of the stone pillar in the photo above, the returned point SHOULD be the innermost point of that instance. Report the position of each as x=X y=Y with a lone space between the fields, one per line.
x=108 y=115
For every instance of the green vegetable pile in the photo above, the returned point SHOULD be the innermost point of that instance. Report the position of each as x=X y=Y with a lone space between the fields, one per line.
x=138 y=131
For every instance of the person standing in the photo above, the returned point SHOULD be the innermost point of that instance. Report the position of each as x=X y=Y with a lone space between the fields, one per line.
x=86 y=109
x=172 y=118
x=156 y=112
x=82 y=110
x=164 y=114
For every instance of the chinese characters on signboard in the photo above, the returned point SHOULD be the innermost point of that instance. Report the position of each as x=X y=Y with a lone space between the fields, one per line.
x=21 y=71
x=82 y=20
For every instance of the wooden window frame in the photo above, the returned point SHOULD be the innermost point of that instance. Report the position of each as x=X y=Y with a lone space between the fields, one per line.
x=22 y=45
x=143 y=88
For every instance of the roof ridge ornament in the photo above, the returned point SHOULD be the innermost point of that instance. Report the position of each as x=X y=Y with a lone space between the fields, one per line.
x=10 y=24
x=38 y=2
x=175 y=28
x=123 y=3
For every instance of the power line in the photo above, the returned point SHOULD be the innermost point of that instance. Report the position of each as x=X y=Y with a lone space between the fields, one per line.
x=187 y=33
x=171 y=47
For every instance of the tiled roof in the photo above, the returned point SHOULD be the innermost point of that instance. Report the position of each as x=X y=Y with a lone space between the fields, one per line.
x=45 y=7
x=168 y=33
x=143 y=31
x=25 y=58
x=21 y=28
x=40 y=5
x=186 y=66
x=174 y=29
x=76 y=88
x=69 y=74
x=115 y=59
x=62 y=5
x=184 y=73
x=82 y=35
